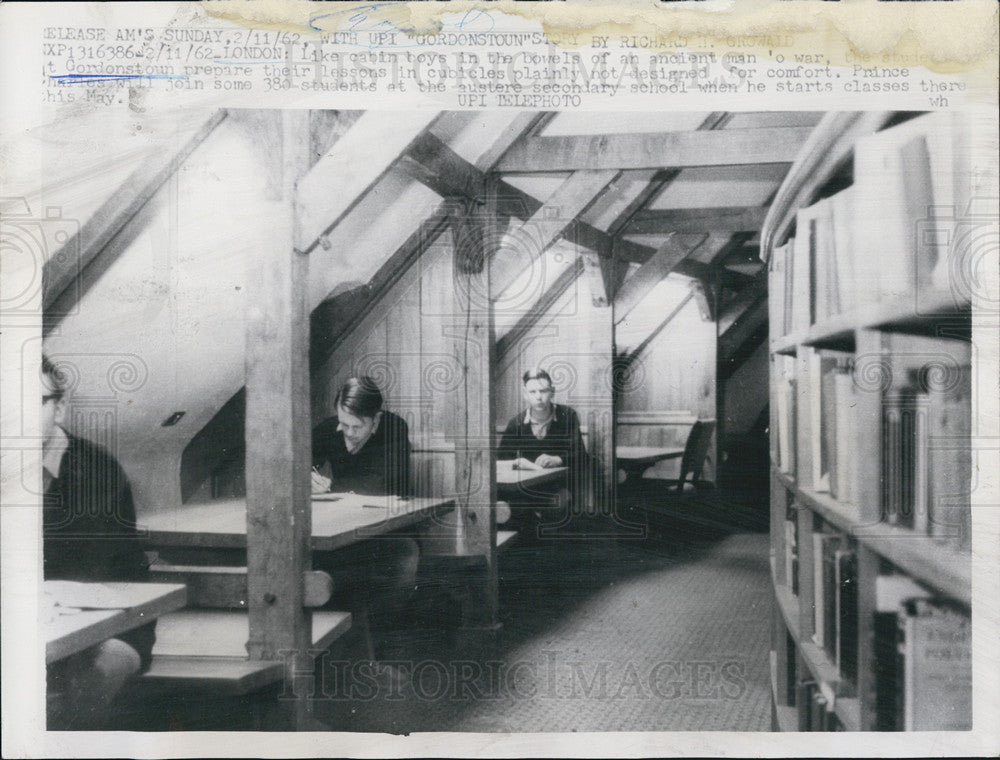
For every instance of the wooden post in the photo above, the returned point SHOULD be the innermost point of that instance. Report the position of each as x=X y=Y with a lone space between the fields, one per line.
x=279 y=523
x=472 y=339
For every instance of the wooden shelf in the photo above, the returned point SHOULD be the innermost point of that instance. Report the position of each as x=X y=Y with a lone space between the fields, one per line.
x=923 y=557
x=919 y=315
x=908 y=314
x=836 y=333
x=787 y=344
x=788 y=603
x=840 y=514
x=819 y=664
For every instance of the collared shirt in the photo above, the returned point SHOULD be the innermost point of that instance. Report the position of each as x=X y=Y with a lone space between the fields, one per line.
x=52 y=457
x=540 y=429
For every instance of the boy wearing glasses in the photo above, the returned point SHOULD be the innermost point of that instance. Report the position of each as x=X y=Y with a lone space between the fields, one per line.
x=89 y=535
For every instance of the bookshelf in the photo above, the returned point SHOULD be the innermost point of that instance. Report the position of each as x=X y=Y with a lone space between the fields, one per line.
x=871 y=425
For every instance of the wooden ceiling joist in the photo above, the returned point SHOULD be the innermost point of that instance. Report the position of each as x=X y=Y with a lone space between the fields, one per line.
x=656 y=150
x=650 y=274
x=717 y=219
x=660 y=178
x=430 y=161
x=62 y=278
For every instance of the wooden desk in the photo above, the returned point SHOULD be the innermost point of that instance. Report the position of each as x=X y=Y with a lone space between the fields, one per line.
x=512 y=482
x=633 y=457
x=636 y=459
x=338 y=520
x=79 y=615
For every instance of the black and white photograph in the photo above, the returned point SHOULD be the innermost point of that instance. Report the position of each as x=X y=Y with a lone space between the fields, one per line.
x=499 y=421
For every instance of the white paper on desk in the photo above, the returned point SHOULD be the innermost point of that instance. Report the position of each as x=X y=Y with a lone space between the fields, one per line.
x=84 y=596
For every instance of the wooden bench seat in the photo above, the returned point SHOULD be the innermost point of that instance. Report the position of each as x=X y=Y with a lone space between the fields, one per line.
x=205 y=649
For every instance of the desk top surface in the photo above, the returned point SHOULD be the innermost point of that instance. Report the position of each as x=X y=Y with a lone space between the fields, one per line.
x=649 y=454
x=337 y=520
x=508 y=476
x=76 y=616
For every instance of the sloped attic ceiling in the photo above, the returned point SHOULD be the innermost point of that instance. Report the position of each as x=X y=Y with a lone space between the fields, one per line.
x=161 y=330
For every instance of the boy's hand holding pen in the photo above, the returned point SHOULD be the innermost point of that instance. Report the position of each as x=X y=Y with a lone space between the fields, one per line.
x=320 y=483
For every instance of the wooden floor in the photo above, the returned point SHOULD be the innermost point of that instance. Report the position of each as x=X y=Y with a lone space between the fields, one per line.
x=637 y=637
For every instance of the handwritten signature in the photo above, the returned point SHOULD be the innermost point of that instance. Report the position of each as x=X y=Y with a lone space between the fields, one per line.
x=365 y=18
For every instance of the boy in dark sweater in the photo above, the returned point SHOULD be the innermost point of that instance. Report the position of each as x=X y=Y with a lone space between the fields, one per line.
x=89 y=535
x=366 y=449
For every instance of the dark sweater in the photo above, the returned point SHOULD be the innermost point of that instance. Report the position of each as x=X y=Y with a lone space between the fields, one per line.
x=563 y=439
x=89 y=528
x=382 y=466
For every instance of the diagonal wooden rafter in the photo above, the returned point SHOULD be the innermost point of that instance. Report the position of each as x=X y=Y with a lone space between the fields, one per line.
x=88 y=248
x=523 y=123
x=626 y=358
x=530 y=318
x=342 y=178
x=547 y=224
x=718 y=219
x=674 y=250
x=743 y=317
x=655 y=150
x=332 y=322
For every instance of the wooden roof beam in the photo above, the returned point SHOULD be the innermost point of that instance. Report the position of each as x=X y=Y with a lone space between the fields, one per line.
x=742 y=328
x=548 y=223
x=702 y=271
x=659 y=265
x=539 y=309
x=660 y=178
x=333 y=319
x=339 y=181
x=655 y=150
x=630 y=356
x=716 y=219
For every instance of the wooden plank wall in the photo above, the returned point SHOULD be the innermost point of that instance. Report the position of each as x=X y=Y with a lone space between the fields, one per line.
x=675 y=374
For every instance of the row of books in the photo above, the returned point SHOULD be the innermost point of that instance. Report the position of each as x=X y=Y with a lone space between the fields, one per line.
x=922 y=650
x=923 y=659
x=923 y=439
x=784 y=395
x=792 y=548
x=926 y=459
x=835 y=603
x=884 y=237
x=832 y=407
